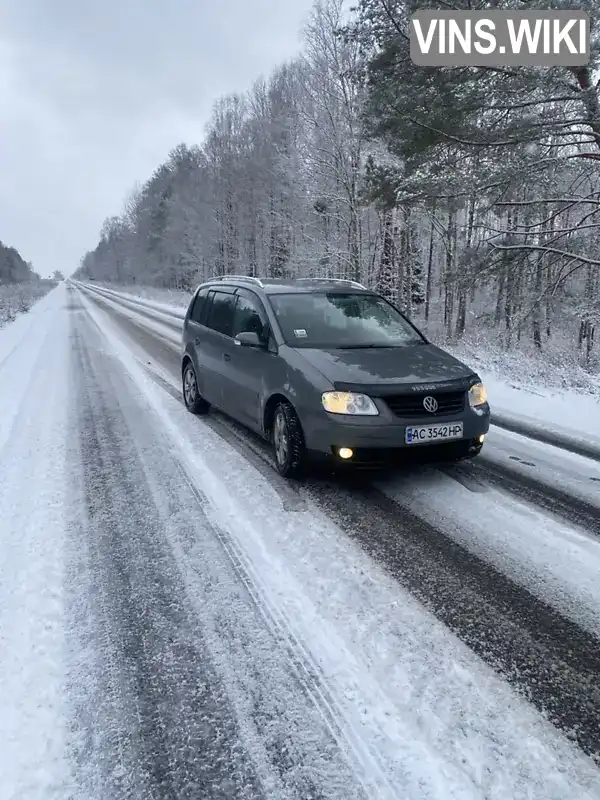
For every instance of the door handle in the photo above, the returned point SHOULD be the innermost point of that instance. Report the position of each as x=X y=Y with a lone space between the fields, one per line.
x=226 y=357
x=197 y=340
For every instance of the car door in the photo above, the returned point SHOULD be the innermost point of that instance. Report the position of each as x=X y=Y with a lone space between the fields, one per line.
x=215 y=343
x=248 y=368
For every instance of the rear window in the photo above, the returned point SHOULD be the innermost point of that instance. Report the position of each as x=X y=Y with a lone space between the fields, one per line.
x=220 y=317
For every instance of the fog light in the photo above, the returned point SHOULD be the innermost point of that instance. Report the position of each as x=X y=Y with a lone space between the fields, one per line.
x=480 y=438
x=345 y=453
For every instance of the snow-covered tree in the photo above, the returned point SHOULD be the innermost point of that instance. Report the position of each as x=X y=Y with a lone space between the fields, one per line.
x=469 y=197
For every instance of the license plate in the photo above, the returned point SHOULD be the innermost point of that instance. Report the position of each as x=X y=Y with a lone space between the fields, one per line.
x=420 y=434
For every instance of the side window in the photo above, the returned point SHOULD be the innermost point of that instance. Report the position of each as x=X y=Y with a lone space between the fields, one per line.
x=248 y=316
x=221 y=313
x=200 y=305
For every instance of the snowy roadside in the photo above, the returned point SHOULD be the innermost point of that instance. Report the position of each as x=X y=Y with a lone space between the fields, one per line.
x=405 y=688
x=18 y=298
x=573 y=412
x=27 y=331
x=34 y=518
x=570 y=413
x=552 y=393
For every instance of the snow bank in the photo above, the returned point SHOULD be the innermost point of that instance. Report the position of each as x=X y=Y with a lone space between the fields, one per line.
x=570 y=413
x=18 y=298
x=160 y=298
x=34 y=506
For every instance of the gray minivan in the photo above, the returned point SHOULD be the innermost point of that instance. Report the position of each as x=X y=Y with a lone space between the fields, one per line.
x=327 y=368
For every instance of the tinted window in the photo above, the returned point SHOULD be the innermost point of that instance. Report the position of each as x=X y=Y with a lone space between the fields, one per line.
x=221 y=313
x=199 y=306
x=328 y=320
x=248 y=316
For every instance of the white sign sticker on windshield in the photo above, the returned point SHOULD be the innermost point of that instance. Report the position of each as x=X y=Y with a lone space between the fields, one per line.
x=300 y=333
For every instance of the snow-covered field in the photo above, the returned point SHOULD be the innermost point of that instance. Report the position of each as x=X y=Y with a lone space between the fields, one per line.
x=178 y=622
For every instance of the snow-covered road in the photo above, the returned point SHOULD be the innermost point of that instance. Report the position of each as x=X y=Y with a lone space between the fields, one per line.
x=178 y=622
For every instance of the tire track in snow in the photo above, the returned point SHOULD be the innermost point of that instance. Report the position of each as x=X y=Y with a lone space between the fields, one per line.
x=547 y=658
x=553 y=499
x=205 y=620
x=166 y=723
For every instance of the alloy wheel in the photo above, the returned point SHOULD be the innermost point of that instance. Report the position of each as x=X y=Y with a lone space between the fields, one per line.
x=281 y=438
x=190 y=389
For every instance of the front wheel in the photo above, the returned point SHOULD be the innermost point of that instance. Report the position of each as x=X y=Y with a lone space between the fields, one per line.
x=288 y=441
x=194 y=402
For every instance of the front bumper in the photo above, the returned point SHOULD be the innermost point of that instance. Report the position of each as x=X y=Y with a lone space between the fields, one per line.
x=373 y=439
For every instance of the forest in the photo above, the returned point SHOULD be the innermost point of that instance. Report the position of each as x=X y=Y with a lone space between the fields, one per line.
x=20 y=285
x=13 y=268
x=467 y=196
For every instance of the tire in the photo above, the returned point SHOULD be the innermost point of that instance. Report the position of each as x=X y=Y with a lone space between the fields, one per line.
x=288 y=441
x=194 y=403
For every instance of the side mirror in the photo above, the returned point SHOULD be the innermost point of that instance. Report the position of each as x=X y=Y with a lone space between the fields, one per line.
x=249 y=339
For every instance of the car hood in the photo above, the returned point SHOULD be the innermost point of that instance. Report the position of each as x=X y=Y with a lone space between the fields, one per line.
x=388 y=367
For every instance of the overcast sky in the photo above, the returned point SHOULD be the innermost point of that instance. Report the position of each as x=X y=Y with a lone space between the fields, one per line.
x=94 y=95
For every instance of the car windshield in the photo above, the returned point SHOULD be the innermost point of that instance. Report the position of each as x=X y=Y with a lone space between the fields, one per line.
x=332 y=320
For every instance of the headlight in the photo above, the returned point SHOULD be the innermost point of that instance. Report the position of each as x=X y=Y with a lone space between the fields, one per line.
x=349 y=403
x=477 y=395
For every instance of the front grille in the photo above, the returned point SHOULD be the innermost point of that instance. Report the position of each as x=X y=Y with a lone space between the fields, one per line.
x=409 y=406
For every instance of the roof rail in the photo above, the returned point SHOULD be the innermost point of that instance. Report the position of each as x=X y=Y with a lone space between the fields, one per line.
x=248 y=278
x=348 y=282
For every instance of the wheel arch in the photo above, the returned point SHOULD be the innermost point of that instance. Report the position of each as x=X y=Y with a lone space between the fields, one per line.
x=187 y=359
x=269 y=410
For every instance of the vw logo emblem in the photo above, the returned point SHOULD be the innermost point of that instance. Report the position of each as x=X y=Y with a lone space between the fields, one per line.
x=430 y=404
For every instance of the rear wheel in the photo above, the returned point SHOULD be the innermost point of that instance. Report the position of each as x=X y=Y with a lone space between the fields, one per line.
x=288 y=441
x=194 y=402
